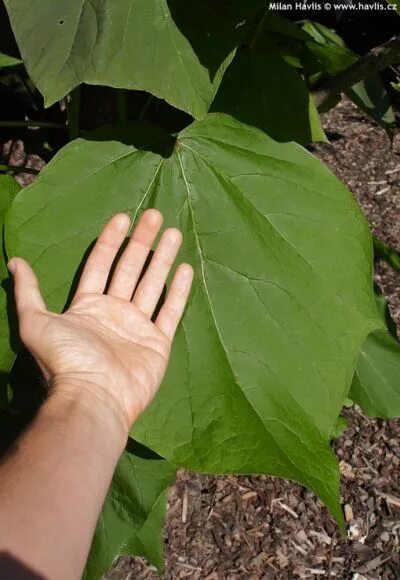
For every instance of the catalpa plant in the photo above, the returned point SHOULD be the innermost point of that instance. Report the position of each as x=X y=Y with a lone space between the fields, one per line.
x=282 y=325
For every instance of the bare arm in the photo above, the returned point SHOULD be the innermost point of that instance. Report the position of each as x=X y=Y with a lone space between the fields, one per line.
x=104 y=359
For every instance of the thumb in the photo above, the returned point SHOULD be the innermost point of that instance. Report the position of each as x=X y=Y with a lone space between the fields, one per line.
x=26 y=287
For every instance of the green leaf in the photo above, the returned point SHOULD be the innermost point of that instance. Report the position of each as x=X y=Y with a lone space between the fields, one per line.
x=276 y=24
x=262 y=90
x=326 y=53
x=330 y=57
x=376 y=383
x=323 y=35
x=8 y=61
x=282 y=296
x=339 y=427
x=327 y=61
x=8 y=189
x=176 y=50
x=370 y=96
x=284 y=37
x=133 y=515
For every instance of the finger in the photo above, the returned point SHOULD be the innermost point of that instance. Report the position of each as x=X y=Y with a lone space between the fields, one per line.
x=130 y=265
x=28 y=297
x=174 y=305
x=97 y=268
x=151 y=286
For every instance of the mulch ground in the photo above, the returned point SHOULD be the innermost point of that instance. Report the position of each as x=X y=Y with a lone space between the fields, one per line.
x=260 y=527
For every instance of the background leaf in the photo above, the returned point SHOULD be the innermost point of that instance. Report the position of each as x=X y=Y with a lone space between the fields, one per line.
x=323 y=35
x=370 y=96
x=175 y=50
x=328 y=56
x=8 y=61
x=376 y=383
x=8 y=189
x=267 y=349
x=284 y=37
x=133 y=515
x=262 y=90
x=326 y=53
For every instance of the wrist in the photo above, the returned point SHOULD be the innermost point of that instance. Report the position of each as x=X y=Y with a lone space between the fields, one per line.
x=82 y=400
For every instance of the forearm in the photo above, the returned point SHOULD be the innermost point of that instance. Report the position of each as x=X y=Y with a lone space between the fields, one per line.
x=54 y=483
x=108 y=358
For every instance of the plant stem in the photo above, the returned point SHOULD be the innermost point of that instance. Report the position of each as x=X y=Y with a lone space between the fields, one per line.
x=74 y=113
x=374 y=61
x=122 y=106
x=146 y=106
x=27 y=124
x=384 y=251
x=18 y=169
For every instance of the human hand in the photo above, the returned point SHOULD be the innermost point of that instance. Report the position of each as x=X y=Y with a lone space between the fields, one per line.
x=105 y=349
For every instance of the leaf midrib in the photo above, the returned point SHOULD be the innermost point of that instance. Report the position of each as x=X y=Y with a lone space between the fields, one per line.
x=264 y=428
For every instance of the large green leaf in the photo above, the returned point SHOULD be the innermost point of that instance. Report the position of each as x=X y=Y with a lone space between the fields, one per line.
x=176 y=50
x=133 y=515
x=282 y=296
x=262 y=90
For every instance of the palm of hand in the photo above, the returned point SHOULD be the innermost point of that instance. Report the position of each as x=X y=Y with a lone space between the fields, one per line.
x=108 y=343
x=113 y=341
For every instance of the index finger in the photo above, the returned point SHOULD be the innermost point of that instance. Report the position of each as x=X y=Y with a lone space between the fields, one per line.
x=98 y=265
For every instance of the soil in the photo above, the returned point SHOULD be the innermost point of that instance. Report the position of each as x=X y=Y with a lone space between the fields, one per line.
x=260 y=527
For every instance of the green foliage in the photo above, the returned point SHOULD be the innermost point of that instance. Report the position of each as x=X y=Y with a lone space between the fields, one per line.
x=376 y=383
x=8 y=61
x=133 y=514
x=328 y=56
x=176 y=50
x=245 y=94
x=8 y=189
x=326 y=53
x=370 y=96
x=282 y=304
x=231 y=402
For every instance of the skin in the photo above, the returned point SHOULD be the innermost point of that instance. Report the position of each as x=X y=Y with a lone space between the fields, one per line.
x=104 y=360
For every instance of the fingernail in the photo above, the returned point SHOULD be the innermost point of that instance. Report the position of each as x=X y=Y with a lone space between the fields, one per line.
x=12 y=266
